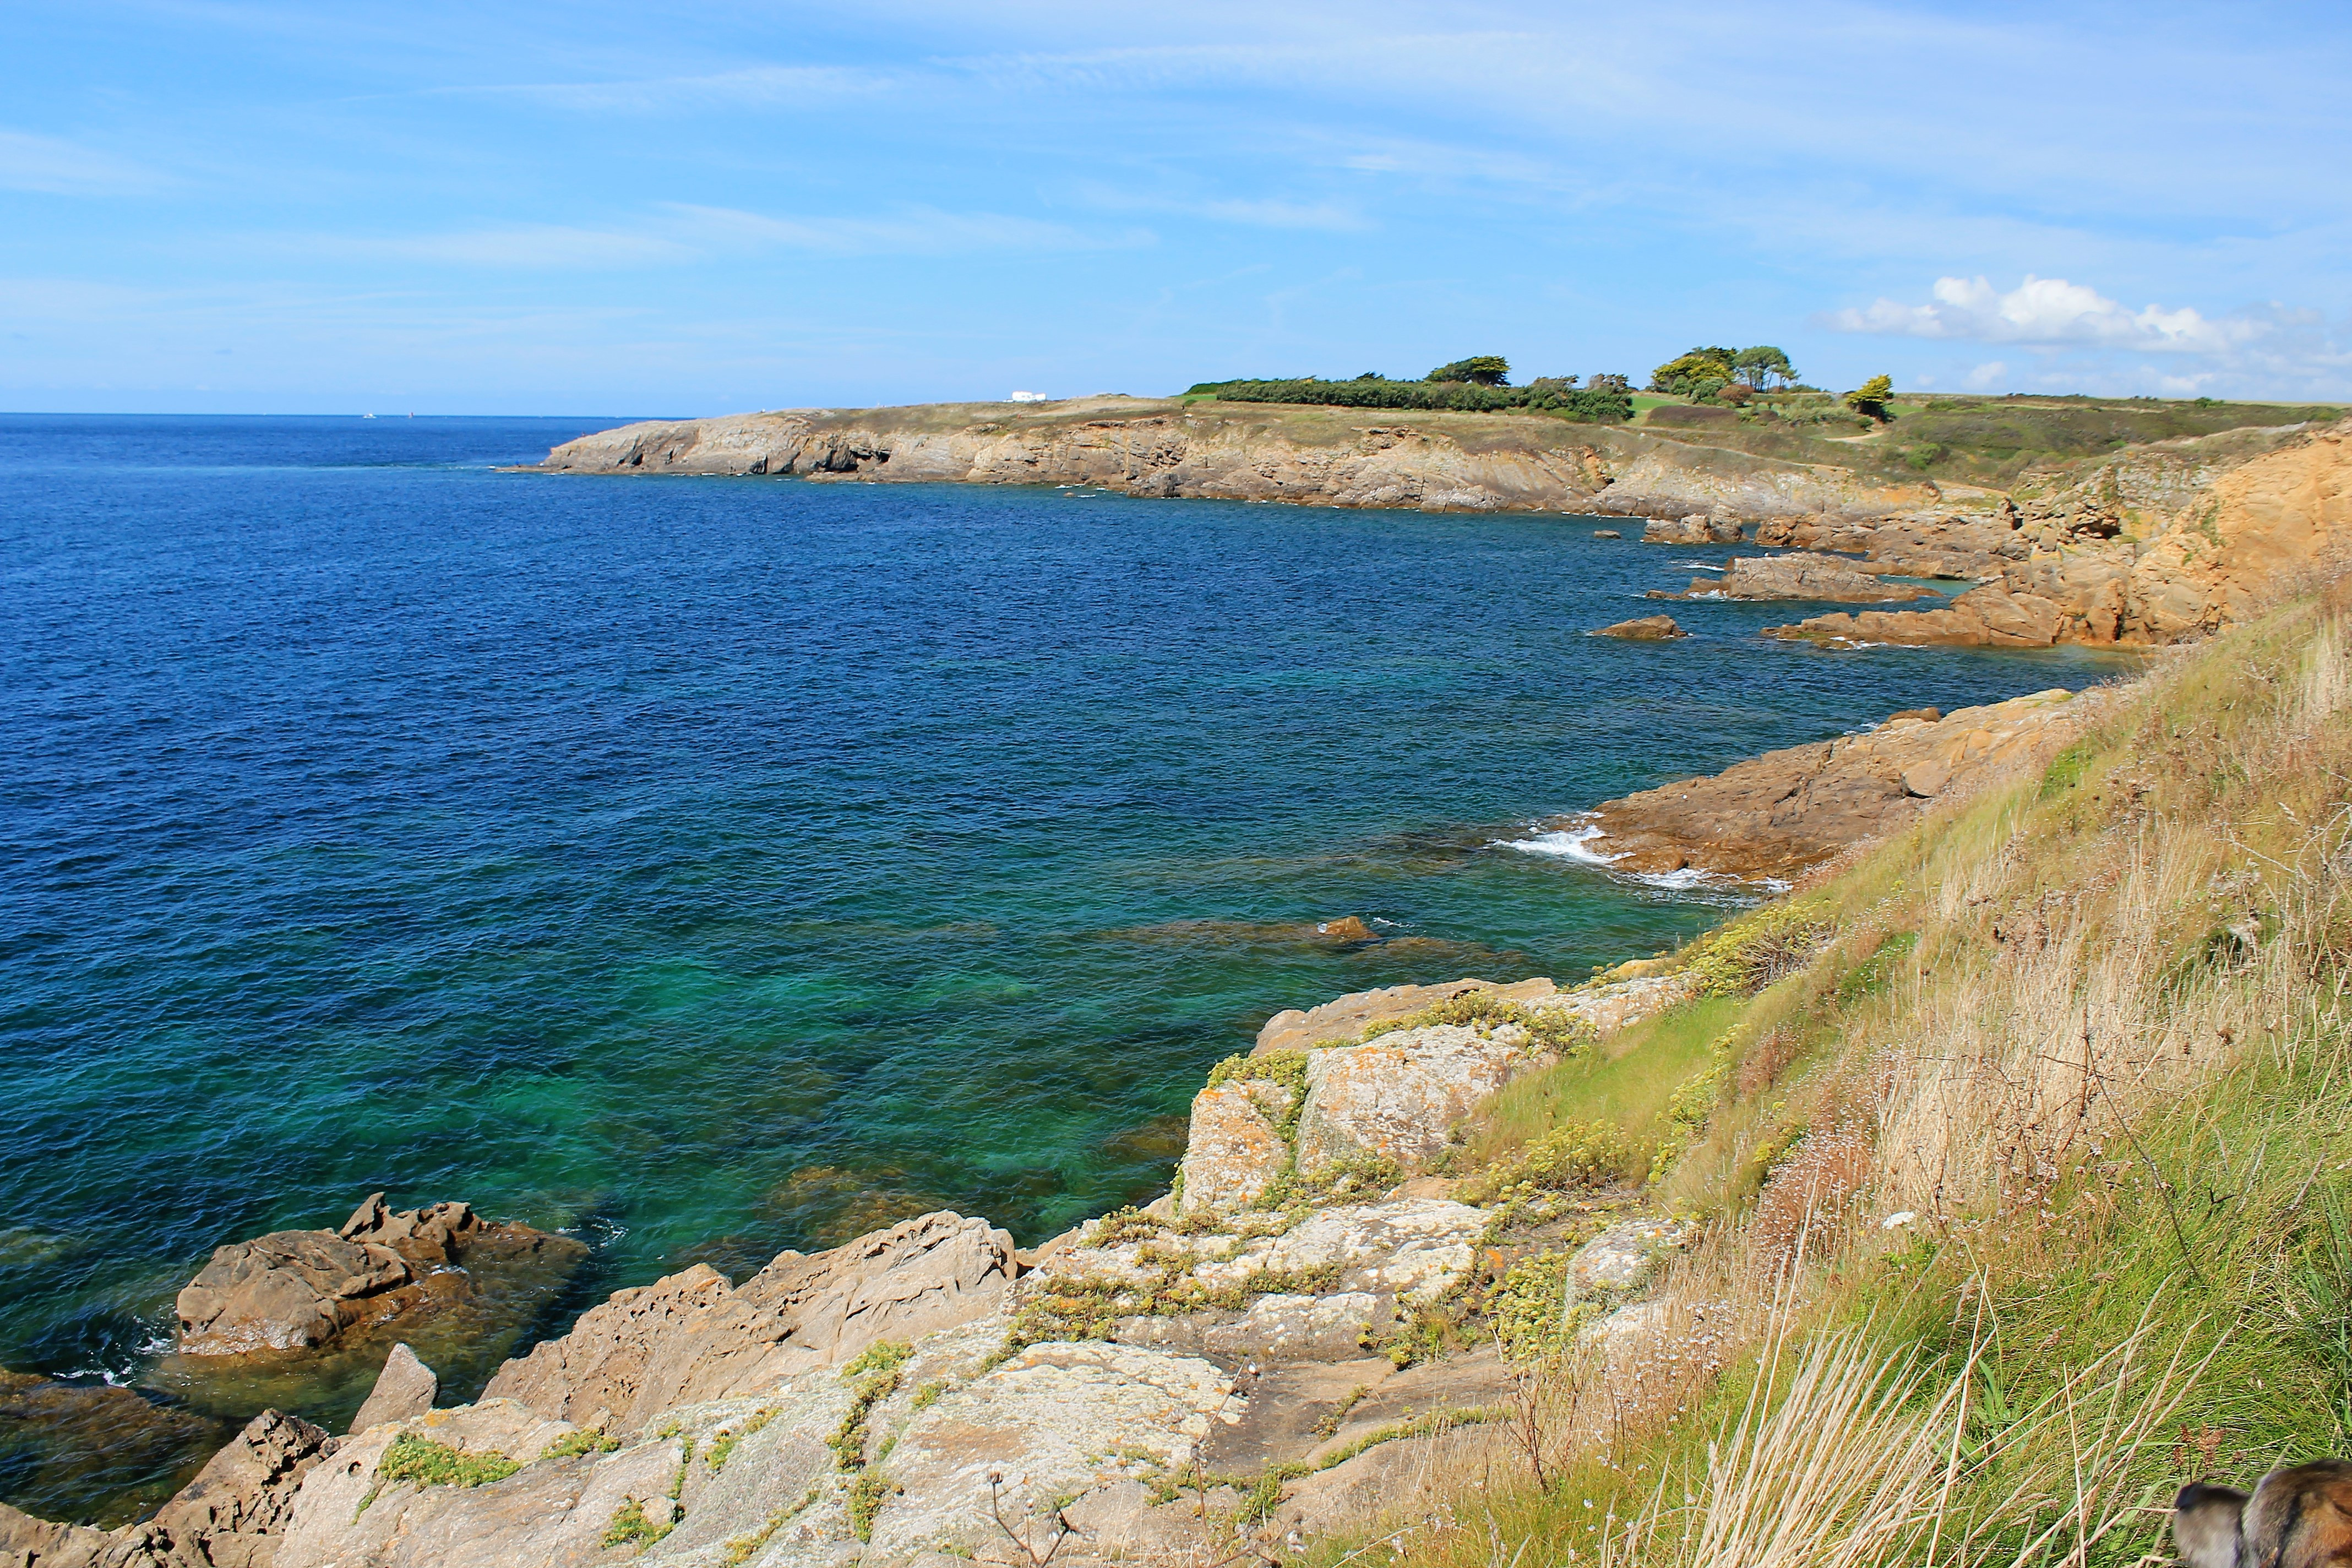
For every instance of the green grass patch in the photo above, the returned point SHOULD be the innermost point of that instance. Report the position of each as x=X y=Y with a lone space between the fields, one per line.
x=1629 y=1083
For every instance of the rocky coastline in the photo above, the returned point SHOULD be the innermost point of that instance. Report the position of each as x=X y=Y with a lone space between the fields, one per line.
x=1259 y=1358
x=2159 y=543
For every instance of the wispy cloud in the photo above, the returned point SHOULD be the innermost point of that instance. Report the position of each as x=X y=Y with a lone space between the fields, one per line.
x=766 y=86
x=2046 y=312
x=55 y=167
x=909 y=231
x=680 y=233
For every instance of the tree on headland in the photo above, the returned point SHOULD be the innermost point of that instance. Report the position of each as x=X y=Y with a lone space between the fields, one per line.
x=1870 y=399
x=1761 y=365
x=1479 y=370
x=1698 y=374
x=1605 y=380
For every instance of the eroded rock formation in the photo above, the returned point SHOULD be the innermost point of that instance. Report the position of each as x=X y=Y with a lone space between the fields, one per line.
x=293 y=1290
x=2152 y=546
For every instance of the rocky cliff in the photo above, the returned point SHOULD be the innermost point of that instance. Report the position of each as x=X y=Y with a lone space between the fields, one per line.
x=1324 y=456
x=2154 y=545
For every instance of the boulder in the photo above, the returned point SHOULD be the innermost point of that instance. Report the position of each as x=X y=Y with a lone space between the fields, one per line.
x=1409 y=1248
x=932 y=1272
x=406 y=1387
x=1053 y=1425
x=1235 y=1147
x=1621 y=1258
x=1606 y=533
x=694 y=1337
x=1342 y=1020
x=1397 y=1097
x=1675 y=530
x=288 y=1291
x=1645 y=629
x=294 y=1290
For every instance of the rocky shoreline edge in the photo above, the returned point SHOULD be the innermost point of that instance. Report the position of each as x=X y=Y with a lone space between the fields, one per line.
x=1270 y=1354
x=2159 y=543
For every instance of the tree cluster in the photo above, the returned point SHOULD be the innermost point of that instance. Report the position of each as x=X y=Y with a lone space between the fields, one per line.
x=1708 y=374
x=1477 y=385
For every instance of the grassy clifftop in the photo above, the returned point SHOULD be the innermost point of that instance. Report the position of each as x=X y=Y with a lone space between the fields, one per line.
x=2024 y=1143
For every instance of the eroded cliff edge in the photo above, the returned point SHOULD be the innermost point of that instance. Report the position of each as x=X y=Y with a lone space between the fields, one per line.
x=1328 y=457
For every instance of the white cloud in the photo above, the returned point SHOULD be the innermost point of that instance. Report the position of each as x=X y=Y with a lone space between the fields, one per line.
x=913 y=230
x=53 y=167
x=2046 y=312
x=1986 y=376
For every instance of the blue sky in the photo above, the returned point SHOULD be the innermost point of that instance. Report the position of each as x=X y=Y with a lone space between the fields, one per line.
x=639 y=209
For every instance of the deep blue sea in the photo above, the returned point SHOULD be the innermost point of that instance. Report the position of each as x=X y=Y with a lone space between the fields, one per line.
x=709 y=867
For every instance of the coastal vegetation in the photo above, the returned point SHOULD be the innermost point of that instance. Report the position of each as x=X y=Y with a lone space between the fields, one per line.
x=2021 y=1142
x=1480 y=384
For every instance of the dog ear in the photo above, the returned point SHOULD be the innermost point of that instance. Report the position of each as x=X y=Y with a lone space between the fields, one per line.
x=2208 y=1523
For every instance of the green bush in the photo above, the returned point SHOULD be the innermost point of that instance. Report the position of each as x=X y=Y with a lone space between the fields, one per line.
x=1752 y=953
x=1549 y=396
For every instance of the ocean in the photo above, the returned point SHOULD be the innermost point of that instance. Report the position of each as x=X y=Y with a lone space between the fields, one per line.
x=707 y=867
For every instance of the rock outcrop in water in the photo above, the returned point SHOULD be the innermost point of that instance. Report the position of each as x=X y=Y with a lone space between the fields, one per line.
x=294 y=1290
x=1779 y=815
x=1800 y=575
x=233 y=1515
x=1643 y=628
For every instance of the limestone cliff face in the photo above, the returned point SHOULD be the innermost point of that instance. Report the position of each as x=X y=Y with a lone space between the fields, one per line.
x=1324 y=456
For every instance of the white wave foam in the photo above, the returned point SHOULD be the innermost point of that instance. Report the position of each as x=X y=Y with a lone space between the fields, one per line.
x=1576 y=844
x=1694 y=565
x=1567 y=842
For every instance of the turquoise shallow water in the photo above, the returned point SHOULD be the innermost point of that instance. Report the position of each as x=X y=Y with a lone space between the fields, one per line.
x=710 y=867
